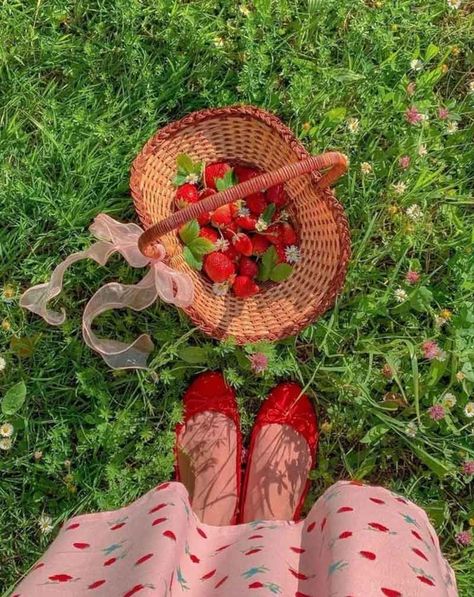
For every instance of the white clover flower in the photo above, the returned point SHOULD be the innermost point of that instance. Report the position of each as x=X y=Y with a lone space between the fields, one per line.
x=414 y=212
x=449 y=400
x=244 y=212
x=244 y=10
x=221 y=244
x=261 y=225
x=353 y=125
x=3 y=364
x=5 y=443
x=400 y=295
x=411 y=429
x=440 y=321
x=469 y=410
x=6 y=429
x=422 y=150
x=471 y=86
x=292 y=254
x=454 y=4
x=220 y=288
x=416 y=65
x=192 y=178
x=284 y=215
x=451 y=127
x=45 y=523
x=365 y=168
x=460 y=376
x=399 y=188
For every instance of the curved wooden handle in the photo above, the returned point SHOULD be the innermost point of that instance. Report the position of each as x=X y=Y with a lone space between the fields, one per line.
x=335 y=161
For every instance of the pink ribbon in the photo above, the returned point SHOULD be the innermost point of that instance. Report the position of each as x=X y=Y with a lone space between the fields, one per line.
x=160 y=281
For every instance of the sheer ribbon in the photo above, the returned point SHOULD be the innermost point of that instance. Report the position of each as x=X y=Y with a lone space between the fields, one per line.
x=160 y=281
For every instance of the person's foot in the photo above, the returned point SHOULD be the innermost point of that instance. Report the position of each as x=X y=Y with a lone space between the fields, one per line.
x=208 y=449
x=282 y=452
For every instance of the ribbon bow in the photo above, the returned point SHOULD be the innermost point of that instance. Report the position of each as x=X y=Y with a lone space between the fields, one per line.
x=160 y=281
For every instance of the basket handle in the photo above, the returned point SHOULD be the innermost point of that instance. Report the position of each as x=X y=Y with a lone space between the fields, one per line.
x=335 y=161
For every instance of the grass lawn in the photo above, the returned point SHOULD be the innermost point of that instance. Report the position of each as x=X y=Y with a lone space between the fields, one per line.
x=83 y=86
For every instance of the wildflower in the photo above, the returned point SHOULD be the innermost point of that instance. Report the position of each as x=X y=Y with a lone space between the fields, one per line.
x=432 y=351
x=38 y=455
x=192 y=178
x=6 y=325
x=218 y=42
x=292 y=254
x=387 y=371
x=412 y=115
x=449 y=400
x=446 y=314
x=244 y=211
x=399 y=188
x=414 y=212
x=411 y=88
x=451 y=128
x=306 y=126
x=220 y=288
x=404 y=162
x=460 y=376
x=412 y=277
x=400 y=295
x=416 y=65
x=365 y=168
x=455 y=50
x=436 y=412
x=464 y=538
x=471 y=522
x=3 y=364
x=6 y=429
x=454 y=4
x=353 y=125
x=443 y=113
x=244 y=10
x=471 y=86
x=393 y=209
x=422 y=150
x=411 y=429
x=439 y=321
x=444 y=68
x=469 y=410
x=258 y=362
x=284 y=215
x=261 y=225
x=221 y=244
x=8 y=292
x=467 y=467
x=45 y=523
x=326 y=427
x=5 y=443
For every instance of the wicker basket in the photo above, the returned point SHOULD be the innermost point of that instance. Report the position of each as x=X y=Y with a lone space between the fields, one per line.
x=251 y=136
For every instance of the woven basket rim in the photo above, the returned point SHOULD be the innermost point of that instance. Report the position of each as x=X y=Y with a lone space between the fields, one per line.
x=248 y=112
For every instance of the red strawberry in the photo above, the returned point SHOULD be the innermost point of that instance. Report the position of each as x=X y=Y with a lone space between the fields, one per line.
x=222 y=216
x=232 y=253
x=243 y=244
x=243 y=173
x=230 y=230
x=259 y=244
x=288 y=235
x=248 y=267
x=205 y=218
x=218 y=267
x=234 y=209
x=213 y=172
x=273 y=234
x=277 y=195
x=209 y=233
x=246 y=222
x=96 y=584
x=256 y=203
x=186 y=194
x=281 y=257
x=244 y=287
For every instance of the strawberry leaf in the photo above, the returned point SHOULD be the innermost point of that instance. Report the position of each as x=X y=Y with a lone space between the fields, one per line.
x=281 y=272
x=185 y=164
x=179 y=179
x=191 y=260
x=189 y=232
x=267 y=264
x=268 y=213
x=227 y=181
x=201 y=246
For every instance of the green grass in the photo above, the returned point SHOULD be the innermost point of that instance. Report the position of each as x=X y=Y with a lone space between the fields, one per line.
x=83 y=86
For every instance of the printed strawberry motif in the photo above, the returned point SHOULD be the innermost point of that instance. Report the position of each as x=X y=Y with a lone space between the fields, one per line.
x=157 y=508
x=201 y=532
x=242 y=244
x=376 y=500
x=208 y=575
x=186 y=194
x=256 y=585
x=248 y=267
x=416 y=535
x=311 y=527
x=110 y=562
x=218 y=267
x=158 y=521
x=256 y=203
x=255 y=537
x=134 y=590
x=96 y=584
x=39 y=565
x=243 y=173
x=162 y=486
x=345 y=509
x=378 y=527
x=426 y=580
x=143 y=559
x=277 y=195
x=299 y=575
x=369 y=555
x=345 y=535
x=298 y=549
x=390 y=592
x=224 y=547
x=72 y=526
x=213 y=172
x=60 y=577
x=81 y=545
x=419 y=553
x=170 y=535
x=221 y=582
x=245 y=287
x=252 y=551
x=117 y=526
x=323 y=523
x=259 y=244
x=194 y=558
x=222 y=216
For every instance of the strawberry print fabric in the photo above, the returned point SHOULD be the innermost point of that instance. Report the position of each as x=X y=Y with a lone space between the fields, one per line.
x=357 y=541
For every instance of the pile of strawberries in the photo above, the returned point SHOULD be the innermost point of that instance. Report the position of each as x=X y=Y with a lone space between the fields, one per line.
x=240 y=245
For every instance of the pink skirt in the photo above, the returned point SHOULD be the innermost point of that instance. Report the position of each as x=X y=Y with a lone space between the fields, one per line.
x=357 y=541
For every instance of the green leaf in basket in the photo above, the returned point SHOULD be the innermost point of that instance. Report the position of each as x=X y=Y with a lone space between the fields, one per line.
x=189 y=231
x=14 y=399
x=268 y=262
x=268 y=213
x=227 y=181
x=281 y=272
x=185 y=163
x=201 y=246
x=191 y=260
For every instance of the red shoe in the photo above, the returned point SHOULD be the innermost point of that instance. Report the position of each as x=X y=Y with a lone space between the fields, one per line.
x=208 y=449
x=282 y=452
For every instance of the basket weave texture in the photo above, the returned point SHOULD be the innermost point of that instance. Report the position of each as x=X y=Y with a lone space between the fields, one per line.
x=254 y=137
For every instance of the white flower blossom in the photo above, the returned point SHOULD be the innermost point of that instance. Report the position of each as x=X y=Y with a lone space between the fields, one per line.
x=399 y=188
x=460 y=376
x=400 y=295
x=353 y=125
x=422 y=150
x=292 y=254
x=221 y=244
x=451 y=127
x=6 y=429
x=5 y=443
x=3 y=364
x=440 y=321
x=454 y=4
x=244 y=212
x=365 y=168
x=471 y=86
x=192 y=178
x=449 y=400
x=411 y=429
x=414 y=212
x=469 y=410
x=220 y=288
x=45 y=523
x=416 y=65
x=261 y=225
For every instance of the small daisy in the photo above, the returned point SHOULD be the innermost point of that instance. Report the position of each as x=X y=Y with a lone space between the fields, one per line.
x=454 y=4
x=244 y=212
x=404 y=162
x=469 y=410
x=451 y=128
x=449 y=400
x=412 y=277
x=292 y=254
x=365 y=168
x=258 y=362
x=411 y=429
x=353 y=125
x=400 y=295
x=416 y=65
x=8 y=293
x=464 y=538
x=422 y=150
x=3 y=364
x=5 y=443
x=460 y=376
x=192 y=178
x=443 y=113
x=45 y=523
x=414 y=212
x=413 y=116
x=261 y=225
x=436 y=412
x=6 y=429
x=399 y=188
x=467 y=467
x=221 y=244
x=220 y=288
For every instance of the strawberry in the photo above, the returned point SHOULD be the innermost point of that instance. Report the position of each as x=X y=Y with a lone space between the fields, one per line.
x=242 y=243
x=222 y=216
x=246 y=222
x=209 y=233
x=243 y=173
x=205 y=218
x=234 y=209
x=213 y=172
x=231 y=230
x=256 y=203
x=186 y=194
x=259 y=244
x=277 y=195
x=248 y=267
x=288 y=235
x=280 y=250
x=244 y=287
x=218 y=267
x=272 y=234
x=232 y=253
